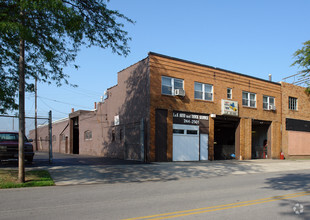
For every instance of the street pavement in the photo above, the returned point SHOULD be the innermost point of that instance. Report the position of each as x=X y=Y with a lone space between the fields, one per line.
x=80 y=169
x=252 y=196
x=102 y=188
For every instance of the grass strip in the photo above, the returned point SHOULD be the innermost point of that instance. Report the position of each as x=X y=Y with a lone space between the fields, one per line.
x=33 y=178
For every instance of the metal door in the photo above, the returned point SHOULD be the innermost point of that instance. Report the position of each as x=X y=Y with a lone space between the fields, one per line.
x=185 y=142
x=204 y=147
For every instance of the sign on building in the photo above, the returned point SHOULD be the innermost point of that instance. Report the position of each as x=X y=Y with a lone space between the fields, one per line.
x=189 y=118
x=116 y=120
x=230 y=108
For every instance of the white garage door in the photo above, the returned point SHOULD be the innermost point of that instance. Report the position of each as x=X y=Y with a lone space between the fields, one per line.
x=185 y=142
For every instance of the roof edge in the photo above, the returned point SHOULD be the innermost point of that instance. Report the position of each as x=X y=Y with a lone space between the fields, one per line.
x=212 y=67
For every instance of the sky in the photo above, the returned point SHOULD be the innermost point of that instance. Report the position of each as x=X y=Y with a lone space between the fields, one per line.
x=255 y=38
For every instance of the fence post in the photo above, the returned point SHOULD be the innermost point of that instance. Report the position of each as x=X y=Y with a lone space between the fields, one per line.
x=50 y=149
x=142 y=139
x=125 y=148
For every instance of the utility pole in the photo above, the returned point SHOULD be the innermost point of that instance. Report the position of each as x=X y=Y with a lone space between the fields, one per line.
x=21 y=109
x=36 y=115
x=50 y=150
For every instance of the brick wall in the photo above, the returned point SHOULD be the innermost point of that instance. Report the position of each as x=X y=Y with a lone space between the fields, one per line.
x=302 y=113
x=221 y=80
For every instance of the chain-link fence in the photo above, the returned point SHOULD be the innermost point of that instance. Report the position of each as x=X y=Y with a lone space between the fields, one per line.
x=10 y=123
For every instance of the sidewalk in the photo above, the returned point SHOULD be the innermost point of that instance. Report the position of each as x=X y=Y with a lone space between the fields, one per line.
x=79 y=169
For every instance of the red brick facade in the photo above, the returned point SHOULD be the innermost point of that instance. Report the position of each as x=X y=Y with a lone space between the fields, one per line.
x=138 y=97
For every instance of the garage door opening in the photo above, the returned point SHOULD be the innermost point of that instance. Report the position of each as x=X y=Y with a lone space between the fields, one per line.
x=260 y=140
x=224 y=137
x=185 y=142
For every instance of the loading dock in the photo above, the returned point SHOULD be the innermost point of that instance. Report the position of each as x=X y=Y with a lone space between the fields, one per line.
x=261 y=140
x=225 y=128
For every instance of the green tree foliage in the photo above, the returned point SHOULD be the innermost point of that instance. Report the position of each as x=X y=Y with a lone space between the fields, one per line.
x=53 y=31
x=303 y=60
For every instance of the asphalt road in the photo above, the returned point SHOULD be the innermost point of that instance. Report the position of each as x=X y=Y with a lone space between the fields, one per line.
x=250 y=196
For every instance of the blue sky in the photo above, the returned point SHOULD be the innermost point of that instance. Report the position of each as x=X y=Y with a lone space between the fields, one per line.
x=251 y=37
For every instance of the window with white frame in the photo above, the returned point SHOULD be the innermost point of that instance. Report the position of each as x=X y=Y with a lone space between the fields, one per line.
x=268 y=103
x=203 y=91
x=292 y=103
x=249 y=99
x=229 y=93
x=168 y=85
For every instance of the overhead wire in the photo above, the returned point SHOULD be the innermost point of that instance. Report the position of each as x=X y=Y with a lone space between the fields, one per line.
x=51 y=107
x=62 y=102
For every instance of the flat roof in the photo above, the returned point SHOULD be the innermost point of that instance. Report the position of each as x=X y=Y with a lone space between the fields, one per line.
x=212 y=67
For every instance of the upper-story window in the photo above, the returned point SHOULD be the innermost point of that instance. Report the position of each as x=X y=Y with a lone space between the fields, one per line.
x=63 y=137
x=229 y=93
x=88 y=135
x=203 y=91
x=249 y=99
x=268 y=103
x=169 y=85
x=292 y=103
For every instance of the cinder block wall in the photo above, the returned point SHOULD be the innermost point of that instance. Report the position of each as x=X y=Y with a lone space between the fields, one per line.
x=60 y=130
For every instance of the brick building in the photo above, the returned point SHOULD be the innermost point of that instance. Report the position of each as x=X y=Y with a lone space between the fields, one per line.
x=168 y=109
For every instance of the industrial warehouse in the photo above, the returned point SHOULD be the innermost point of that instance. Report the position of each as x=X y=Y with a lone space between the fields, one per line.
x=169 y=109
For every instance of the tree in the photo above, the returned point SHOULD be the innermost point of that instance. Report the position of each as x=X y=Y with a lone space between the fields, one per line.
x=38 y=38
x=303 y=60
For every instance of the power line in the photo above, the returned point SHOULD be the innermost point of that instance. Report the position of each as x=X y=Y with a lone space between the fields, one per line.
x=62 y=102
x=52 y=107
x=89 y=93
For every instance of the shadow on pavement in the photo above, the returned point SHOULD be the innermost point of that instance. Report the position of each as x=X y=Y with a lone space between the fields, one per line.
x=295 y=182
x=78 y=169
x=41 y=159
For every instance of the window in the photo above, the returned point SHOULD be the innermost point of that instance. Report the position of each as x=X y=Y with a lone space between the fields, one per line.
x=229 y=93
x=194 y=132
x=249 y=99
x=268 y=103
x=168 y=85
x=54 y=138
x=63 y=137
x=88 y=135
x=178 y=131
x=203 y=91
x=292 y=103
